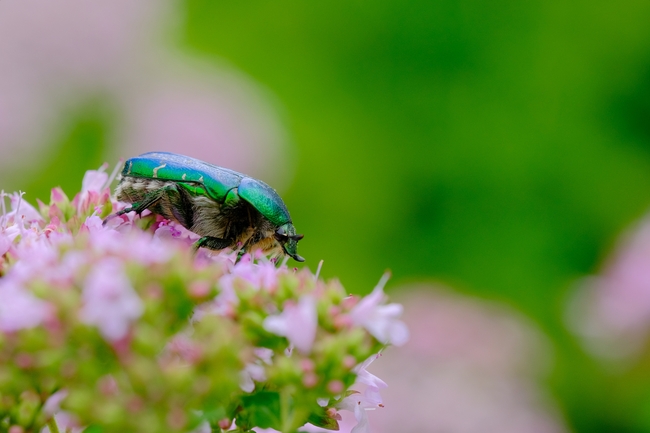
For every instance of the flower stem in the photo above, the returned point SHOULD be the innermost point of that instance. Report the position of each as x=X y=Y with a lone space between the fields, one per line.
x=51 y=423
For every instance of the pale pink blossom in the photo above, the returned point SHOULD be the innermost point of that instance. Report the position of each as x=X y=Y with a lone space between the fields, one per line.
x=129 y=245
x=94 y=181
x=263 y=275
x=611 y=311
x=252 y=373
x=373 y=383
x=22 y=211
x=297 y=322
x=93 y=186
x=380 y=320
x=109 y=300
x=19 y=309
x=358 y=404
x=37 y=256
x=5 y=243
x=66 y=422
x=170 y=230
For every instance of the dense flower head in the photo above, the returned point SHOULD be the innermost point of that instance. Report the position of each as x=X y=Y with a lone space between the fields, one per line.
x=119 y=326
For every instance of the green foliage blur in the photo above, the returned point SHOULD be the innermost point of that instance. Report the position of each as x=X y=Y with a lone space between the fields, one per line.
x=499 y=147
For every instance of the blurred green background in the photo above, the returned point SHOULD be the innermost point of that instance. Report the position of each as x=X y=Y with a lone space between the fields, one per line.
x=499 y=147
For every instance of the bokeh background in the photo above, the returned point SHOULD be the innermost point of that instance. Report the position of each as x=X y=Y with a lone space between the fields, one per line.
x=491 y=154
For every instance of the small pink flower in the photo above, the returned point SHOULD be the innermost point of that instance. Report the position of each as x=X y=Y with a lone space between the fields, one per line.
x=94 y=180
x=263 y=275
x=21 y=210
x=91 y=189
x=373 y=382
x=110 y=302
x=252 y=372
x=380 y=320
x=5 y=244
x=19 y=309
x=297 y=322
x=358 y=404
x=53 y=403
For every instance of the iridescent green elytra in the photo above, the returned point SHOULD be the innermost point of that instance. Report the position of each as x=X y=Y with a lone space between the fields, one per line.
x=228 y=209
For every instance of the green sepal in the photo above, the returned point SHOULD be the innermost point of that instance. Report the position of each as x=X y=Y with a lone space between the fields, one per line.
x=322 y=420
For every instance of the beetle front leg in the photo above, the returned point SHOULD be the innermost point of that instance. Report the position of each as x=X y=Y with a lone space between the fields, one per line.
x=150 y=199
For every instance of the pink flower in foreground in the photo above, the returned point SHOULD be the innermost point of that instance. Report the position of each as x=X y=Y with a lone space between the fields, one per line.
x=22 y=211
x=262 y=274
x=19 y=309
x=7 y=237
x=298 y=322
x=380 y=320
x=93 y=185
x=110 y=302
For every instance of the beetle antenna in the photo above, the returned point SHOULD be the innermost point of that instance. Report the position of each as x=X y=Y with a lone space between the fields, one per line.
x=320 y=266
x=111 y=178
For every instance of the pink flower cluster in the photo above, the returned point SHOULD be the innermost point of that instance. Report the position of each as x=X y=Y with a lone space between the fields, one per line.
x=132 y=293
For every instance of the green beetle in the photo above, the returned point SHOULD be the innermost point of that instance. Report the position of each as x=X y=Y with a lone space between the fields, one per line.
x=228 y=209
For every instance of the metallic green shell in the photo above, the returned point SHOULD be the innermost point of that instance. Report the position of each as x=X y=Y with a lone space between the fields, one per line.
x=218 y=181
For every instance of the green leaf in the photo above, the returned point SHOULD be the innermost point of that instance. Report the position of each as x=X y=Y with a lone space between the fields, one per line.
x=261 y=409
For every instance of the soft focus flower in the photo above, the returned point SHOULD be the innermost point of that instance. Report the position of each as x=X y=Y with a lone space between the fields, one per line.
x=611 y=311
x=22 y=211
x=110 y=301
x=380 y=320
x=297 y=322
x=19 y=309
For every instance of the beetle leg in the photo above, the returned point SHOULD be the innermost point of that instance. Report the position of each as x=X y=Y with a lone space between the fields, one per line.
x=150 y=199
x=212 y=243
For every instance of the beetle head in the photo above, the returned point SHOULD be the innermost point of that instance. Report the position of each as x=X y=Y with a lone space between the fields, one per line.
x=287 y=237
